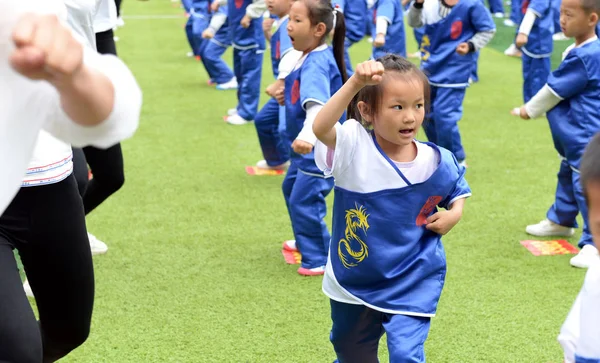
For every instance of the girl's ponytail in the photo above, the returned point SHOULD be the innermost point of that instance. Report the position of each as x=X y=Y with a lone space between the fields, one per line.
x=339 y=37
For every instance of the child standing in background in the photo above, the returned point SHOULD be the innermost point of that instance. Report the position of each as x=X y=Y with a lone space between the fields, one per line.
x=218 y=40
x=389 y=29
x=198 y=20
x=454 y=31
x=283 y=58
x=387 y=265
x=245 y=26
x=535 y=40
x=571 y=101
x=316 y=77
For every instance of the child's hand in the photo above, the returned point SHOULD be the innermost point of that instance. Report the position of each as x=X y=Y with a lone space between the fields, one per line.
x=267 y=26
x=214 y=7
x=301 y=147
x=369 y=73
x=463 y=48
x=521 y=112
x=274 y=87
x=280 y=96
x=208 y=34
x=521 y=40
x=379 y=41
x=46 y=50
x=245 y=22
x=443 y=221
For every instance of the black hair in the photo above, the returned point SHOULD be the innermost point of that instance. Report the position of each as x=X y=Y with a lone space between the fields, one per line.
x=591 y=6
x=321 y=11
x=371 y=95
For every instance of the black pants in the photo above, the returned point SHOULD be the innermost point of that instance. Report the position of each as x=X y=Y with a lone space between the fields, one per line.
x=106 y=165
x=46 y=224
x=118 y=2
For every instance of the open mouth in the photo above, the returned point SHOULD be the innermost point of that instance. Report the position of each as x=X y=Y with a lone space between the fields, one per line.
x=407 y=131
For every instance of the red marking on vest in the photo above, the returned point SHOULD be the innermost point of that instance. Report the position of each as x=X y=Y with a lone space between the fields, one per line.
x=456 y=29
x=524 y=6
x=277 y=50
x=239 y=4
x=295 y=92
x=375 y=17
x=429 y=206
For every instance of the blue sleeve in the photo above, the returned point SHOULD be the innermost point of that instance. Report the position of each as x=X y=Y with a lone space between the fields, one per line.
x=314 y=81
x=579 y=359
x=540 y=7
x=385 y=8
x=481 y=18
x=461 y=187
x=187 y=5
x=570 y=78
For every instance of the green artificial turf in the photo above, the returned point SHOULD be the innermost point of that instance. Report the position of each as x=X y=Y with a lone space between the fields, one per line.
x=194 y=271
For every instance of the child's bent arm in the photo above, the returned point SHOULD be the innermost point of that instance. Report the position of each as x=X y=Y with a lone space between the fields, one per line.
x=415 y=15
x=324 y=124
x=457 y=206
x=542 y=102
x=527 y=22
x=256 y=9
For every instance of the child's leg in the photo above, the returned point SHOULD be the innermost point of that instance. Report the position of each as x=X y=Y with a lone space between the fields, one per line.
x=443 y=126
x=586 y=236
x=217 y=69
x=474 y=75
x=190 y=36
x=496 y=6
x=515 y=12
x=307 y=210
x=406 y=336
x=267 y=125
x=564 y=210
x=199 y=24
x=535 y=75
x=349 y=69
x=288 y=185
x=355 y=332
x=249 y=88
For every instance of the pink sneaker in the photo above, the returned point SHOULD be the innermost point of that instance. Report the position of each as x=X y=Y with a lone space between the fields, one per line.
x=317 y=271
x=290 y=245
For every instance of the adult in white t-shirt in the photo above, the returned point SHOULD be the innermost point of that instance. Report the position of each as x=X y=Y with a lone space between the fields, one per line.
x=76 y=100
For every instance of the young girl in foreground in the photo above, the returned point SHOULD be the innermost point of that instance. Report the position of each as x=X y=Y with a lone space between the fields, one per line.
x=386 y=264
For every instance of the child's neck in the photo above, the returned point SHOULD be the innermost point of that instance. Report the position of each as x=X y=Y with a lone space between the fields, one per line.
x=311 y=48
x=399 y=153
x=587 y=36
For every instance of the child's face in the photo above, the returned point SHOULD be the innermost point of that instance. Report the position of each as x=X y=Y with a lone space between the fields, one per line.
x=593 y=199
x=402 y=108
x=279 y=7
x=303 y=35
x=574 y=21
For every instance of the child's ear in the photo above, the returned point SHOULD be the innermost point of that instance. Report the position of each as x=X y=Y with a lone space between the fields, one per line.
x=593 y=17
x=365 y=111
x=320 y=30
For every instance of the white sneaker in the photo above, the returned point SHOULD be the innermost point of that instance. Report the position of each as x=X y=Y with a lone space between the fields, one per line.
x=116 y=38
x=499 y=15
x=237 y=120
x=27 y=289
x=463 y=164
x=370 y=39
x=559 y=36
x=120 y=22
x=547 y=228
x=232 y=84
x=262 y=164
x=587 y=257
x=98 y=247
x=510 y=23
x=232 y=111
x=513 y=51
x=189 y=54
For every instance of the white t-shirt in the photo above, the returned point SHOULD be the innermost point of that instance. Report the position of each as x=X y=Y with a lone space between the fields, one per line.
x=358 y=166
x=106 y=16
x=28 y=106
x=580 y=334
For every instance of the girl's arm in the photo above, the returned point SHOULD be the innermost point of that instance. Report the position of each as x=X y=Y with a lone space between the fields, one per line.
x=367 y=73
